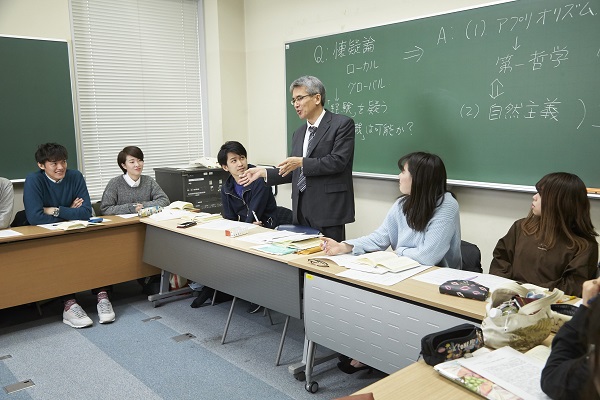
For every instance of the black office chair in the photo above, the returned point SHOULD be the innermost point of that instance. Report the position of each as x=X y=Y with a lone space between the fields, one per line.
x=19 y=220
x=471 y=257
x=96 y=208
x=284 y=215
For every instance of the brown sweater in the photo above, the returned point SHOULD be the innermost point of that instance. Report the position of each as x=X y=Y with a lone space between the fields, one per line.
x=519 y=257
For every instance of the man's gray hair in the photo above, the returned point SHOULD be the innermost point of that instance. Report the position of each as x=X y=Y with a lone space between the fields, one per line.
x=312 y=84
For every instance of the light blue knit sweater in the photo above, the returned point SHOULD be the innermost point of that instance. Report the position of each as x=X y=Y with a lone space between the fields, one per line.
x=438 y=245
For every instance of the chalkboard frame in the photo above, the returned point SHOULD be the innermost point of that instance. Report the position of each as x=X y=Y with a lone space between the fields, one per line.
x=293 y=122
x=36 y=103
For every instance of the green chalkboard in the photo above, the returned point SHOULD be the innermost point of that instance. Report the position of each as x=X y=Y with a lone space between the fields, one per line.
x=36 y=104
x=504 y=94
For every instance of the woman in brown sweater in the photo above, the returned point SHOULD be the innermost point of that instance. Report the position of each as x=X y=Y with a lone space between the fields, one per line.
x=555 y=245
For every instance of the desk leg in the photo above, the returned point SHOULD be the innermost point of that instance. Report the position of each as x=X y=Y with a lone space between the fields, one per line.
x=298 y=369
x=311 y=386
x=164 y=291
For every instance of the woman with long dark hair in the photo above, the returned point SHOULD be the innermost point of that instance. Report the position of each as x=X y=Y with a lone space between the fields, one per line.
x=555 y=245
x=423 y=224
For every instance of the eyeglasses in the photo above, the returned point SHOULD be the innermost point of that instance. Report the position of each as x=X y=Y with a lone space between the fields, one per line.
x=318 y=262
x=299 y=98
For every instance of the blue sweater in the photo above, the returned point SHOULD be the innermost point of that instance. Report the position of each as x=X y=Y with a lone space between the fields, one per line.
x=39 y=192
x=438 y=245
x=256 y=197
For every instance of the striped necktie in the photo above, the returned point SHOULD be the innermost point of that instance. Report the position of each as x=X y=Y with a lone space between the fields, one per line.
x=301 y=177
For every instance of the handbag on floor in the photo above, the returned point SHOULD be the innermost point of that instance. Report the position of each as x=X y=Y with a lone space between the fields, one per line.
x=451 y=343
x=523 y=327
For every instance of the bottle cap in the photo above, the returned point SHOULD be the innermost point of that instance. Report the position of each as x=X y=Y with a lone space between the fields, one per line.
x=495 y=312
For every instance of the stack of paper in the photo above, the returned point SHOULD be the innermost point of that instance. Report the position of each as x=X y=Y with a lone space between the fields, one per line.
x=288 y=242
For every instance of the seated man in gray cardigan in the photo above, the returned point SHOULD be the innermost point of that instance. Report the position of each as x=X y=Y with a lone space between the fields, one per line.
x=132 y=191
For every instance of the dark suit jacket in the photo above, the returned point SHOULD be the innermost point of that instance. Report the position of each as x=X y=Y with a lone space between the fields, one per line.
x=329 y=191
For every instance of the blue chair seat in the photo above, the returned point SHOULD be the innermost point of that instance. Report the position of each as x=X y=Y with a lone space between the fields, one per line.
x=298 y=229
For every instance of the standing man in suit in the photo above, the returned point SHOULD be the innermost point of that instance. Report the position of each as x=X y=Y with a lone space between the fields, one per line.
x=320 y=165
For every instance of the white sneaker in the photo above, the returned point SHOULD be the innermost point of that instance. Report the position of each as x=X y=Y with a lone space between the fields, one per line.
x=76 y=317
x=105 y=311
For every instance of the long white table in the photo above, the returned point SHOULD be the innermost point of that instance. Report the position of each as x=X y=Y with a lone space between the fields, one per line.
x=42 y=264
x=225 y=264
x=381 y=326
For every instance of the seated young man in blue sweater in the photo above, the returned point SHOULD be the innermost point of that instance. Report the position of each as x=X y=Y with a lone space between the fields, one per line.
x=254 y=203
x=55 y=194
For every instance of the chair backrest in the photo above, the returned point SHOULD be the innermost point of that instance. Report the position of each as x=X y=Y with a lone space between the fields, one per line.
x=298 y=229
x=285 y=219
x=284 y=216
x=19 y=220
x=471 y=257
x=96 y=209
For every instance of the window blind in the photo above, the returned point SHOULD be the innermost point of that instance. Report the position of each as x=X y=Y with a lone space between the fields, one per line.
x=137 y=67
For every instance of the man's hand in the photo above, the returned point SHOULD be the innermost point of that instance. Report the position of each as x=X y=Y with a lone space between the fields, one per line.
x=590 y=291
x=251 y=175
x=289 y=164
x=77 y=203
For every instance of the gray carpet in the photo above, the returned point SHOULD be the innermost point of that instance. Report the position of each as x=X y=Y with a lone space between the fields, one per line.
x=132 y=359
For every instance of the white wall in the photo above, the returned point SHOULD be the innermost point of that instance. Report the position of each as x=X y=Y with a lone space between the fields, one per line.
x=247 y=89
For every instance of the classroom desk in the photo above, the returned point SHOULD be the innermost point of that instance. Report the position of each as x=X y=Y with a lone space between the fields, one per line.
x=417 y=381
x=225 y=264
x=43 y=264
x=420 y=380
x=379 y=325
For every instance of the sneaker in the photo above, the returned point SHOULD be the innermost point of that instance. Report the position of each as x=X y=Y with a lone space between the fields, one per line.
x=253 y=308
x=76 y=317
x=105 y=311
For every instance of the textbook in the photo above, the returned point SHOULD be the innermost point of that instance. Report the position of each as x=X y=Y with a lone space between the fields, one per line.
x=181 y=205
x=476 y=383
x=388 y=260
x=75 y=224
x=491 y=374
x=305 y=243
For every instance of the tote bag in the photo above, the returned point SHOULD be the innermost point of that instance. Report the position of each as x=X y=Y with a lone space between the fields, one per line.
x=527 y=328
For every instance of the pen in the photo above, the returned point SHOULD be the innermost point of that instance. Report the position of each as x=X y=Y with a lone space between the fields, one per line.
x=255 y=217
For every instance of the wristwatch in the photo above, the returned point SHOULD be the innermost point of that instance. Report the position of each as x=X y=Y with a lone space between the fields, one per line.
x=56 y=212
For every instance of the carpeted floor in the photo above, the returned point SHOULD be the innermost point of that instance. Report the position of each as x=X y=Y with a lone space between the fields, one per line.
x=133 y=359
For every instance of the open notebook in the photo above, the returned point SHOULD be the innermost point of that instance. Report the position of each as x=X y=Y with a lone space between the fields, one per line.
x=388 y=260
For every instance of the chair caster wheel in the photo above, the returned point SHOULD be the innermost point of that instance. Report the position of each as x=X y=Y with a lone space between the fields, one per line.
x=312 y=387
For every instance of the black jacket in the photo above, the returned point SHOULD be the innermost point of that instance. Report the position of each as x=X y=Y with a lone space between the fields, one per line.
x=567 y=371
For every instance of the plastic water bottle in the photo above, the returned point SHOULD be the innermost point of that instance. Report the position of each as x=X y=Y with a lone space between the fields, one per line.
x=506 y=308
x=148 y=211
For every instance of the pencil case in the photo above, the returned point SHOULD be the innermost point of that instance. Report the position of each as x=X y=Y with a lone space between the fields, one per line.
x=451 y=343
x=466 y=289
